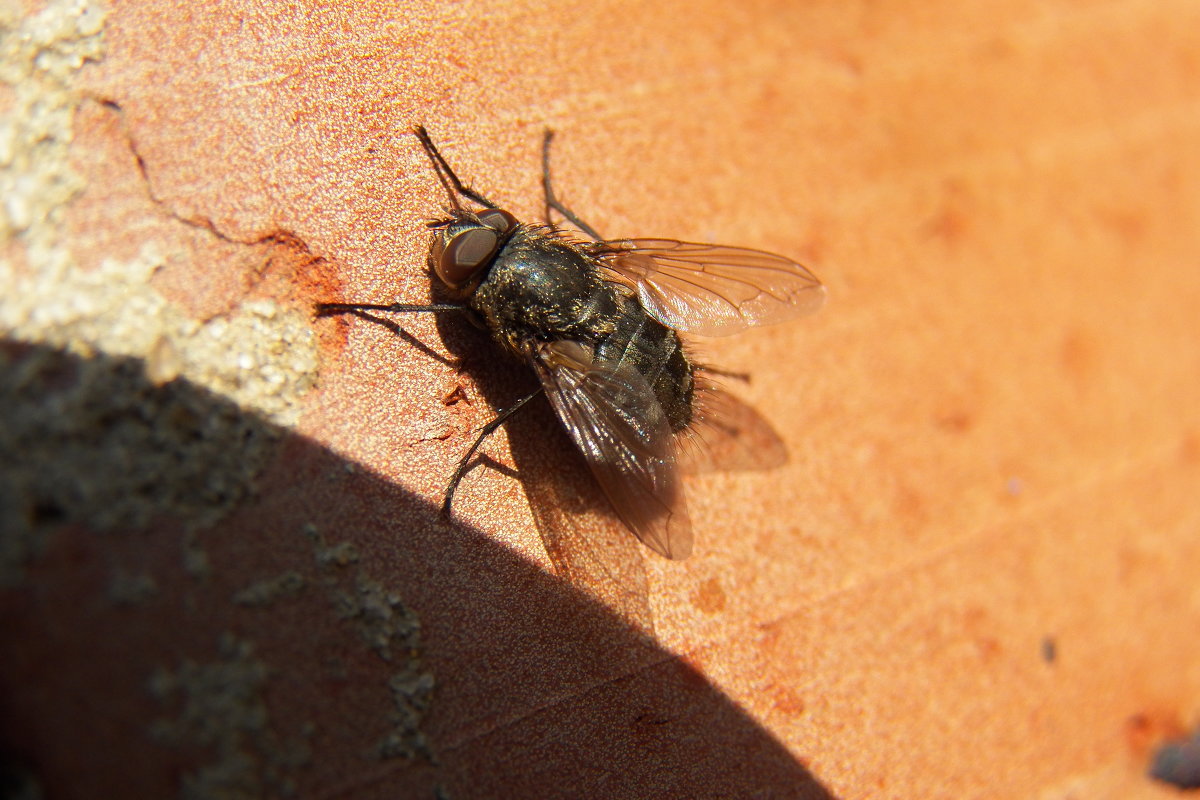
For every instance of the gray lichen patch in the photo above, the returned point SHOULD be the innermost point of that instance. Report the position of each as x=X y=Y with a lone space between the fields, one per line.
x=383 y=620
x=394 y=632
x=412 y=694
x=220 y=709
x=127 y=589
x=118 y=408
x=96 y=441
x=261 y=357
x=219 y=702
x=340 y=554
x=267 y=591
x=39 y=57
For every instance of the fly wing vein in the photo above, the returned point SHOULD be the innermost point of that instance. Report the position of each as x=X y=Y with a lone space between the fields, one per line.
x=712 y=290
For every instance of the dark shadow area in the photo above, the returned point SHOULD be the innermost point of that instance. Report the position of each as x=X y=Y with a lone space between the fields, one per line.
x=201 y=603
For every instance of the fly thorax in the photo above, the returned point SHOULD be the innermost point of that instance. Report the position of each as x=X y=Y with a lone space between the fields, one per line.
x=542 y=288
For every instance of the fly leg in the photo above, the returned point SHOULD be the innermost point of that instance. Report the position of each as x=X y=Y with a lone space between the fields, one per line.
x=362 y=310
x=487 y=430
x=552 y=201
x=325 y=309
x=484 y=432
x=446 y=175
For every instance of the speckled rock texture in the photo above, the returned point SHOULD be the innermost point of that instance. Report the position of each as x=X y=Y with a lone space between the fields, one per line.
x=223 y=570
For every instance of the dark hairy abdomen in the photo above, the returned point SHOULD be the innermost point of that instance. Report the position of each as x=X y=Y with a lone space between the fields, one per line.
x=656 y=352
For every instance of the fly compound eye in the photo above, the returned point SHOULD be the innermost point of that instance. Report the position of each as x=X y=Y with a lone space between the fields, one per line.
x=465 y=254
x=498 y=220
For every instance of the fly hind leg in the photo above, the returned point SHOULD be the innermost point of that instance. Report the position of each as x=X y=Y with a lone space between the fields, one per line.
x=484 y=432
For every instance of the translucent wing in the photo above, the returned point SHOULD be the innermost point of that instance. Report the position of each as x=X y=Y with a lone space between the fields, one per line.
x=710 y=289
x=614 y=418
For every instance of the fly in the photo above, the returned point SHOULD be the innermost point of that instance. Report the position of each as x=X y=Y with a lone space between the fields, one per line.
x=599 y=322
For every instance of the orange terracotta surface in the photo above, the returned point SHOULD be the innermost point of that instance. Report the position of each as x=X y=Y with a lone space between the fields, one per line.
x=975 y=576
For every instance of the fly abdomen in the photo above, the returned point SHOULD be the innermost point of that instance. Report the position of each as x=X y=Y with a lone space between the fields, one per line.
x=656 y=352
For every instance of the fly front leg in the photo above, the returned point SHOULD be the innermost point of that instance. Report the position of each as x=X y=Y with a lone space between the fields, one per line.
x=325 y=309
x=362 y=310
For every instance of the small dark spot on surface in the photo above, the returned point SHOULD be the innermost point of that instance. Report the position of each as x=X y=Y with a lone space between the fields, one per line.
x=1049 y=650
x=650 y=718
x=1129 y=225
x=955 y=421
x=997 y=48
x=910 y=504
x=953 y=220
x=949 y=225
x=1178 y=762
x=978 y=626
x=455 y=396
x=846 y=60
x=1145 y=730
x=814 y=242
x=47 y=512
x=787 y=701
x=1189 y=449
x=988 y=647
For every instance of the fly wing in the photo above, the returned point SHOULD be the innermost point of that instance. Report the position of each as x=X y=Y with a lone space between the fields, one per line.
x=614 y=418
x=710 y=289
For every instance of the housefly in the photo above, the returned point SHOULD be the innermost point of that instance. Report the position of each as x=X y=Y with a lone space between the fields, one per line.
x=599 y=321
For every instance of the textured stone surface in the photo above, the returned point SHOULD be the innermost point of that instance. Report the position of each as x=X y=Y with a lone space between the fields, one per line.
x=224 y=570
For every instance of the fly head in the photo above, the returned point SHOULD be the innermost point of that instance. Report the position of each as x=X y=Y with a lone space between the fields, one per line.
x=464 y=247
